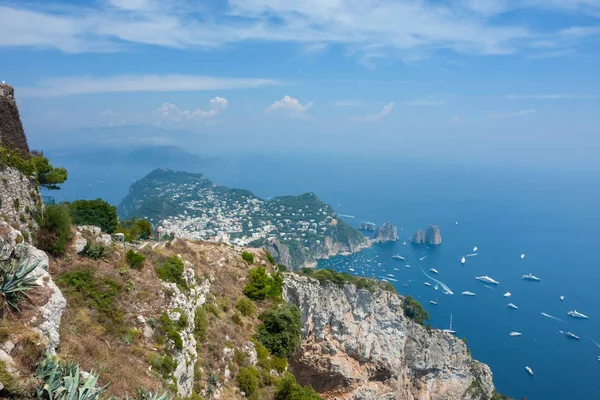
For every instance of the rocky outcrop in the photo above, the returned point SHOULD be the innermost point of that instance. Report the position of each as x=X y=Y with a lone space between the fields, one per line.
x=358 y=345
x=386 y=233
x=433 y=235
x=419 y=237
x=19 y=199
x=367 y=226
x=12 y=134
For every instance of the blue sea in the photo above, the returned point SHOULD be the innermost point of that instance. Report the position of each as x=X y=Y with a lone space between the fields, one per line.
x=552 y=217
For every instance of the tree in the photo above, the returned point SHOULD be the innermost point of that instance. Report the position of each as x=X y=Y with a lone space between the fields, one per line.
x=48 y=176
x=414 y=310
x=94 y=212
x=288 y=389
x=260 y=285
x=280 y=330
x=55 y=230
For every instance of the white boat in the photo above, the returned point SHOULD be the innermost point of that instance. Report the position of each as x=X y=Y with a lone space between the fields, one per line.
x=475 y=249
x=427 y=284
x=562 y=298
x=463 y=260
x=530 y=277
x=351 y=269
x=529 y=370
x=577 y=314
x=404 y=243
x=422 y=258
x=571 y=335
x=456 y=223
x=487 y=279
x=390 y=275
x=522 y=256
x=450 y=330
x=396 y=269
x=435 y=303
x=407 y=266
x=405 y=285
x=598 y=358
x=435 y=271
x=398 y=257
x=515 y=334
x=436 y=286
x=467 y=293
x=507 y=294
x=511 y=305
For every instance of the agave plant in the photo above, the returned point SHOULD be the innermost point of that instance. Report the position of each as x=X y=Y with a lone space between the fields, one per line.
x=15 y=280
x=95 y=252
x=64 y=382
x=144 y=394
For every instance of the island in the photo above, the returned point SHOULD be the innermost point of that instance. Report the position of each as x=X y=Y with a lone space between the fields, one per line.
x=296 y=230
x=367 y=226
x=386 y=233
x=433 y=236
x=419 y=237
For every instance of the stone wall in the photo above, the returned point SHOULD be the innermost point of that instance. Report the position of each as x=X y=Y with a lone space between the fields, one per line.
x=19 y=200
x=12 y=134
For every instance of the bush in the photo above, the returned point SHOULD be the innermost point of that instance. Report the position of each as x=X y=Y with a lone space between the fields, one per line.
x=279 y=364
x=280 y=330
x=94 y=212
x=94 y=251
x=171 y=330
x=55 y=230
x=248 y=257
x=237 y=319
x=260 y=285
x=288 y=389
x=135 y=229
x=270 y=258
x=414 y=310
x=200 y=324
x=247 y=380
x=172 y=271
x=134 y=260
x=245 y=307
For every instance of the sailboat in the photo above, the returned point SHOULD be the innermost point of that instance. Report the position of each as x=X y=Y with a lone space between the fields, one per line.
x=449 y=330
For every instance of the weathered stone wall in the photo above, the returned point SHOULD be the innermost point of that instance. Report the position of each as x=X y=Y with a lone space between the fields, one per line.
x=19 y=200
x=12 y=134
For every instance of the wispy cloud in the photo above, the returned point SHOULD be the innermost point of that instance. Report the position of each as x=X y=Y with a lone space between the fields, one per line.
x=347 y=103
x=75 y=85
x=428 y=101
x=375 y=117
x=512 y=114
x=172 y=113
x=288 y=106
x=554 y=96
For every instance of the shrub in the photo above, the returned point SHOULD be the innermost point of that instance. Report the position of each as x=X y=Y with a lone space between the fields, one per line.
x=279 y=364
x=414 y=310
x=247 y=380
x=280 y=330
x=200 y=324
x=248 y=257
x=94 y=212
x=134 y=260
x=135 y=228
x=237 y=319
x=16 y=204
x=170 y=330
x=213 y=309
x=240 y=357
x=281 y=268
x=172 y=271
x=270 y=258
x=288 y=389
x=94 y=251
x=55 y=230
x=245 y=307
x=164 y=365
x=260 y=285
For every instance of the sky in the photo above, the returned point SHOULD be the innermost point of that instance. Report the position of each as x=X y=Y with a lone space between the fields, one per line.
x=465 y=80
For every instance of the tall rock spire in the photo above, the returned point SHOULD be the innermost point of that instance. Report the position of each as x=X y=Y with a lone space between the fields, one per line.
x=12 y=134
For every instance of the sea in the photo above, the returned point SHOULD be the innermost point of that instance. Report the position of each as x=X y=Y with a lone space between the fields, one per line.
x=550 y=216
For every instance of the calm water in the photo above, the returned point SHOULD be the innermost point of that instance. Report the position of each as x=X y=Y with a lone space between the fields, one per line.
x=552 y=218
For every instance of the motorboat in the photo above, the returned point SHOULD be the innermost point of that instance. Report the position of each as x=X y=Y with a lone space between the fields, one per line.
x=487 y=279
x=405 y=285
x=427 y=284
x=529 y=370
x=422 y=258
x=562 y=298
x=577 y=314
x=515 y=334
x=407 y=265
x=571 y=335
x=511 y=305
x=435 y=271
x=398 y=257
x=475 y=249
x=434 y=302
x=463 y=260
x=530 y=277
x=467 y=293
x=522 y=256
x=507 y=294
x=351 y=269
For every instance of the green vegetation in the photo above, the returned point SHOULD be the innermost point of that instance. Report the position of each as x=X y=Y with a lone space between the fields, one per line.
x=47 y=175
x=280 y=330
x=94 y=212
x=270 y=258
x=134 y=259
x=260 y=285
x=414 y=310
x=172 y=271
x=288 y=389
x=94 y=251
x=164 y=365
x=279 y=364
x=248 y=257
x=135 y=229
x=15 y=280
x=64 y=382
x=247 y=380
x=340 y=279
x=245 y=307
x=55 y=230
x=171 y=330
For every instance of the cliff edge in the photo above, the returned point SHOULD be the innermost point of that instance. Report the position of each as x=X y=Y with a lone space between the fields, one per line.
x=12 y=134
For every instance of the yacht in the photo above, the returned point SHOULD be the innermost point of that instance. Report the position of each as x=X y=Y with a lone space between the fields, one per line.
x=463 y=260
x=435 y=271
x=450 y=330
x=407 y=265
x=427 y=284
x=422 y=258
x=530 y=277
x=467 y=293
x=390 y=275
x=507 y=294
x=598 y=358
x=396 y=269
x=562 y=298
x=577 y=314
x=435 y=303
x=515 y=334
x=529 y=370
x=351 y=269
x=398 y=257
x=436 y=286
x=405 y=285
x=571 y=335
x=522 y=256
x=475 y=249
x=511 y=305
x=487 y=279
x=404 y=243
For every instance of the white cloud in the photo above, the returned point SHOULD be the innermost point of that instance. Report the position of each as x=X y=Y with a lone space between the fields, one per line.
x=555 y=96
x=109 y=113
x=347 y=103
x=512 y=114
x=288 y=106
x=375 y=117
x=456 y=119
x=75 y=85
x=172 y=113
x=369 y=29
x=428 y=101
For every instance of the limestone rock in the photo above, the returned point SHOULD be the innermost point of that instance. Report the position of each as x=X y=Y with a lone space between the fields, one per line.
x=119 y=237
x=419 y=237
x=12 y=134
x=79 y=243
x=379 y=353
x=104 y=239
x=386 y=233
x=19 y=198
x=367 y=226
x=91 y=229
x=433 y=235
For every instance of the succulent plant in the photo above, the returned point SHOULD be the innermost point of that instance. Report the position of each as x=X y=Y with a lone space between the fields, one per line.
x=15 y=280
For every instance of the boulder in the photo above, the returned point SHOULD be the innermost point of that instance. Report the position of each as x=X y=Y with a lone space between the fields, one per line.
x=119 y=237
x=104 y=239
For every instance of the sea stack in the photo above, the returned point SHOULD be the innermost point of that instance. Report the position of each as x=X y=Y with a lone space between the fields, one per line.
x=386 y=233
x=433 y=235
x=367 y=226
x=419 y=237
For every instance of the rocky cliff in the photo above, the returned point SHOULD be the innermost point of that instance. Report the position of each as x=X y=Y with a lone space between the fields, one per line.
x=12 y=134
x=386 y=233
x=433 y=235
x=358 y=345
x=419 y=237
x=367 y=226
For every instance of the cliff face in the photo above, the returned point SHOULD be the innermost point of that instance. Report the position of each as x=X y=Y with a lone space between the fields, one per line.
x=419 y=237
x=12 y=134
x=358 y=345
x=433 y=235
x=386 y=233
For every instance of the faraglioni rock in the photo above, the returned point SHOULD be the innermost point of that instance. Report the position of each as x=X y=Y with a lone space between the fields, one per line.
x=360 y=345
x=419 y=237
x=367 y=226
x=386 y=233
x=433 y=235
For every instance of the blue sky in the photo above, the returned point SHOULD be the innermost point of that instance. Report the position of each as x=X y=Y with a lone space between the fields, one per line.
x=509 y=81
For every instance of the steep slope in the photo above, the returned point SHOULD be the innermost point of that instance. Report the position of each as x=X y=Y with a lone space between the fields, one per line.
x=12 y=135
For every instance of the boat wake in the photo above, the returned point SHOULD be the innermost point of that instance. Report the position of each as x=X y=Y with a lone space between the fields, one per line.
x=550 y=316
x=346 y=215
x=444 y=287
x=489 y=287
x=596 y=343
x=471 y=255
x=387 y=278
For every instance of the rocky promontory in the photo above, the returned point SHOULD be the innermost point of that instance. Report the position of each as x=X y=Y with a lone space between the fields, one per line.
x=367 y=226
x=433 y=235
x=386 y=233
x=419 y=237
